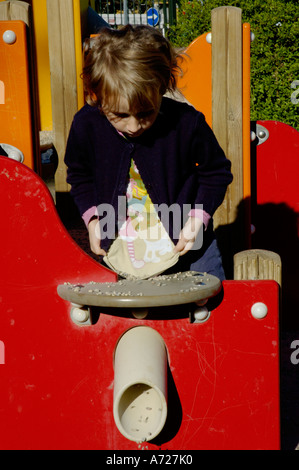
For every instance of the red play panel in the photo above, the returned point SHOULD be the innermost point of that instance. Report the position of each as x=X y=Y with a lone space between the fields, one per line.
x=277 y=165
x=57 y=378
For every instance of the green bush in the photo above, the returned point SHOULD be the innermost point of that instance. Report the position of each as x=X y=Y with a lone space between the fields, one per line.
x=274 y=51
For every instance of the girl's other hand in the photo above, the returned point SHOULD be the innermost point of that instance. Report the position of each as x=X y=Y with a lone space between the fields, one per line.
x=95 y=237
x=188 y=235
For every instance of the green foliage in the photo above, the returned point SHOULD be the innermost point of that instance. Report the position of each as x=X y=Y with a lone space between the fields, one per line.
x=274 y=51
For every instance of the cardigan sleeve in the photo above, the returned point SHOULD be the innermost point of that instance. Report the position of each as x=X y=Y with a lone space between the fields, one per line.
x=213 y=169
x=79 y=170
x=90 y=214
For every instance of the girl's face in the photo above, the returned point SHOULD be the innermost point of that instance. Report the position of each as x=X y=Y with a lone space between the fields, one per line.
x=128 y=123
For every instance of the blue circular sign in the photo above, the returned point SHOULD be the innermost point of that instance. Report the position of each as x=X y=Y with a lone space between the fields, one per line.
x=152 y=16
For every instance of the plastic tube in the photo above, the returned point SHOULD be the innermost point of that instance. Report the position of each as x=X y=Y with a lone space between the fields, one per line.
x=140 y=384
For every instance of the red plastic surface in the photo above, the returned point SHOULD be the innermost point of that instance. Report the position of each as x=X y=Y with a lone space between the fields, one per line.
x=275 y=209
x=277 y=165
x=57 y=378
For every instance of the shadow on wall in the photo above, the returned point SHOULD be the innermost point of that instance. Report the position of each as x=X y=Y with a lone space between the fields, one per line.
x=276 y=229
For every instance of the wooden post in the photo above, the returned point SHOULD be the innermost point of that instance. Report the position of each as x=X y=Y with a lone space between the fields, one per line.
x=227 y=124
x=63 y=79
x=227 y=101
x=257 y=264
x=15 y=10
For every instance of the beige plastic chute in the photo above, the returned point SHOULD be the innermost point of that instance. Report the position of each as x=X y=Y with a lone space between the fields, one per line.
x=140 y=384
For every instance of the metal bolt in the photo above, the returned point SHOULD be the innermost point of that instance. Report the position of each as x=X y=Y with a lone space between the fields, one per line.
x=262 y=134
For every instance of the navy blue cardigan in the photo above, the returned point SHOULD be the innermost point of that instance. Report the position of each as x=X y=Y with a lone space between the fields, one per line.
x=179 y=160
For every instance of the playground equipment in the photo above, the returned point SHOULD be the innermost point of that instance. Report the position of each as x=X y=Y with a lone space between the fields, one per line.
x=58 y=376
x=69 y=332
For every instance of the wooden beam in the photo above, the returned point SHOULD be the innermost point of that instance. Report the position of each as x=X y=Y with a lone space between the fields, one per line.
x=227 y=101
x=63 y=79
x=257 y=264
x=15 y=10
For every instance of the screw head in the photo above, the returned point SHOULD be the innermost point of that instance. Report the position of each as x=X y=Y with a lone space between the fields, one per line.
x=9 y=37
x=80 y=315
x=209 y=38
x=259 y=310
x=252 y=136
x=262 y=134
x=16 y=155
x=201 y=314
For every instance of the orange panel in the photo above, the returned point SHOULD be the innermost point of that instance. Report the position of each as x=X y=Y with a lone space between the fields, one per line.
x=15 y=106
x=196 y=83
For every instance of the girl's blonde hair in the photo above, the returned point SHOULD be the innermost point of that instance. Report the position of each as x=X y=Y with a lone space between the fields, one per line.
x=134 y=62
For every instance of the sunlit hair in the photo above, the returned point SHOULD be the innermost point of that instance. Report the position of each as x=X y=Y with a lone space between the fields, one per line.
x=134 y=62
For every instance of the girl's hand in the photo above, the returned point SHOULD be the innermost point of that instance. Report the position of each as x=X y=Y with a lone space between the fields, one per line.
x=188 y=235
x=95 y=237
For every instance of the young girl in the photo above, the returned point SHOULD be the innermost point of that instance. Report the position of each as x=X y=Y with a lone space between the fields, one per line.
x=146 y=171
